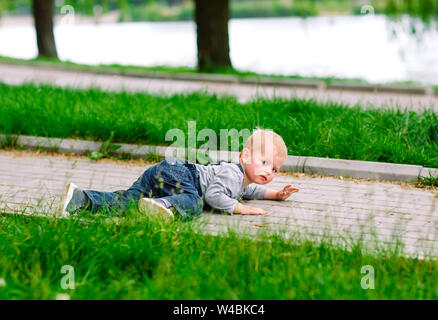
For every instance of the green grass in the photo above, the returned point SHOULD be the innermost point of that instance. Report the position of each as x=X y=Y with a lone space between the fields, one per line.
x=308 y=128
x=429 y=180
x=138 y=258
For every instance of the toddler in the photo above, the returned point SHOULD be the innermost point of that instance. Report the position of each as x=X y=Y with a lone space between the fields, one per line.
x=178 y=187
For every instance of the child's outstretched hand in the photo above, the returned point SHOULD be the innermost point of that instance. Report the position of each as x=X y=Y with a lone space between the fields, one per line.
x=244 y=209
x=286 y=192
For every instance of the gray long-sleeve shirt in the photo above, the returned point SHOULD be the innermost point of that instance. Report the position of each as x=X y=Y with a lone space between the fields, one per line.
x=222 y=186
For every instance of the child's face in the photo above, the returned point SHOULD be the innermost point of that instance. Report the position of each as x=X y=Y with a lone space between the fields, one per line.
x=260 y=168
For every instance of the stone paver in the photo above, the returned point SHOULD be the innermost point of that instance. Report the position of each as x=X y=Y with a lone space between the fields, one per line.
x=16 y=74
x=325 y=208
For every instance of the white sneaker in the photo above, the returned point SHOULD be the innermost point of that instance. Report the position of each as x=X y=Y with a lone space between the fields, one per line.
x=148 y=206
x=61 y=210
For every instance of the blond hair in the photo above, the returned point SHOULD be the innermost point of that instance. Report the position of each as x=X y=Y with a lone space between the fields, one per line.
x=262 y=139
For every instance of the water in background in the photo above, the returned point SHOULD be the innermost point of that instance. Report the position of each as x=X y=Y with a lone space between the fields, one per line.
x=343 y=46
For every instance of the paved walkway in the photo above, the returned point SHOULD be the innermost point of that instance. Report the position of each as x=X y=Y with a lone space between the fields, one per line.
x=379 y=213
x=16 y=74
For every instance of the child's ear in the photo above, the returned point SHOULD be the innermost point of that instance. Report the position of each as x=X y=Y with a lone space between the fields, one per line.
x=245 y=155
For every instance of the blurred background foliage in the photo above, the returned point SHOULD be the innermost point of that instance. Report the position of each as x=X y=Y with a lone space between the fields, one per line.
x=176 y=10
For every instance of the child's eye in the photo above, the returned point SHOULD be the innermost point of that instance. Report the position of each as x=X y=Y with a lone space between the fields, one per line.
x=274 y=170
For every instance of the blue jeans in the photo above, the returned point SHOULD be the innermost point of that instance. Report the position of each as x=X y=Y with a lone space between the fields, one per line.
x=175 y=180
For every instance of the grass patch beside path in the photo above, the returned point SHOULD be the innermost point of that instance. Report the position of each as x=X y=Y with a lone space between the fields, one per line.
x=137 y=258
x=308 y=128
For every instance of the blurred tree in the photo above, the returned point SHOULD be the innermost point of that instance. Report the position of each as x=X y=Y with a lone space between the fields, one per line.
x=211 y=17
x=173 y=2
x=43 y=16
x=424 y=9
x=3 y=7
x=125 y=10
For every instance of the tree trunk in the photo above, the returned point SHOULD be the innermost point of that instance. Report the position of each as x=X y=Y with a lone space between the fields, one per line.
x=211 y=18
x=43 y=17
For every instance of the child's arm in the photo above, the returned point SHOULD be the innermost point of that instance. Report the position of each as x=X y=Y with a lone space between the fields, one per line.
x=283 y=194
x=223 y=191
x=269 y=195
x=244 y=209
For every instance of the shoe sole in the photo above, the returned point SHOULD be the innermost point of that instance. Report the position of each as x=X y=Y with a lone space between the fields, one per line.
x=65 y=199
x=148 y=206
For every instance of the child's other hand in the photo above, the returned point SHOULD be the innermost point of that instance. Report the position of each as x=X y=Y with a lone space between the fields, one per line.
x=286 y=192
x=243 y=209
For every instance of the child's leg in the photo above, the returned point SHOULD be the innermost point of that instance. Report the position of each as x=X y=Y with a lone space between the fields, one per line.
x=188 y=205
x=170 y=180
x=175 y=182
x=122 y=199
x=75 y=199
x=118 y=200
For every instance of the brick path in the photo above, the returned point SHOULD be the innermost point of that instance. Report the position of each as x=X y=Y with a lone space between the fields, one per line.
x=16 y=74
x=381 y=213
